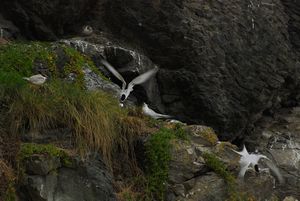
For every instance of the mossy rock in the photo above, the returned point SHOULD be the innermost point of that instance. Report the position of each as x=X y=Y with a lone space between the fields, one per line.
x=202 y=135
x=52 y=59
x=44 y=152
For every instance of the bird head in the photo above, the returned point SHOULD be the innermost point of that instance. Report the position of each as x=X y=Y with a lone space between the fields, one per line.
x=122 y=98
x=87 y=30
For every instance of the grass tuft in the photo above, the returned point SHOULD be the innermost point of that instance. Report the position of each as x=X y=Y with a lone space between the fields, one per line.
x=93 y=117
x=7 y=190
x=213 y=162
x=158 y=152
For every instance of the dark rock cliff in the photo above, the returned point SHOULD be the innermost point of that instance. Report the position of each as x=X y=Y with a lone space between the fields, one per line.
x=222 y=63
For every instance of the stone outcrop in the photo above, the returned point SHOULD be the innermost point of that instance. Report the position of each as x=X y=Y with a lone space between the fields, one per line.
x=279 y=139
x=223 y=63
x=191 y=179
x=47 y=179
x=128 y=61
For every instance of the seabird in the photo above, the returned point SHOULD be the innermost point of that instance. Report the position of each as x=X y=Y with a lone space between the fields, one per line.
x=250 y=161
x=87 y=30
x=138 y=80
x=149 y=112
x=247 y=160
x=36 y=79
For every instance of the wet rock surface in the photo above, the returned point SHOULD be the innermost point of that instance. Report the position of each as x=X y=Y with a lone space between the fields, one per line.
x=279 y=138
x=223 y=62
x=190 y=178
x=88 y=180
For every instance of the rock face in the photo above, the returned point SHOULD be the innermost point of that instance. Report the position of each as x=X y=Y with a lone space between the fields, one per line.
x=190 y=178
x=47 y=20
x=46 y=179
x=129 y=62
x=279 y=138
x=223 y=62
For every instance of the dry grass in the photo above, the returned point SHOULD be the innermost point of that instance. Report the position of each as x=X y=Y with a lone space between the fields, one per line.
x=7 y=178
x=97 y=121
x=132 y=190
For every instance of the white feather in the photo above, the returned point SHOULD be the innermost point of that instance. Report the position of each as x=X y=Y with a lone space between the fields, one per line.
x=36 y=79
x=138 y=80
x=149 y=112
x=248 y=161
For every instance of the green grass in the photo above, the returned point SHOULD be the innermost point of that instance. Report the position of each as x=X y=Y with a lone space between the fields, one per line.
x=20 y=57
x=213 y=162
x=95 y=118
x=158 y=153
x=28 y=149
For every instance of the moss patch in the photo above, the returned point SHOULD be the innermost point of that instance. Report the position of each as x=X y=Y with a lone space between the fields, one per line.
x=7 y=182
x=213 y=162
x=209 y=135
x=28 y=149
x=20 y=57
x=158 y=153
x=95 y=118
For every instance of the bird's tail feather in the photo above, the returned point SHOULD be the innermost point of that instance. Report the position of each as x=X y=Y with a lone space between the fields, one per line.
x=164 y=116
x=275 y=171
x=26 y=78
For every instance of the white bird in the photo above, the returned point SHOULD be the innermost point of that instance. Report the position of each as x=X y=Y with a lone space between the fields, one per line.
x=36 y=79
x=247 y=160
x=149 y=112
x=250 y=161
x=138 y=80
x=87 y=30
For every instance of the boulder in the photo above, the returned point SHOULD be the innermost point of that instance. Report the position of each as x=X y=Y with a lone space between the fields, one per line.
x=129 y=62
x=88 y=180
x=222 y=63
x=191 y=179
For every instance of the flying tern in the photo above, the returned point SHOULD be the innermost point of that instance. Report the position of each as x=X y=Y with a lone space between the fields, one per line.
x=250 y=161
x=138 y=80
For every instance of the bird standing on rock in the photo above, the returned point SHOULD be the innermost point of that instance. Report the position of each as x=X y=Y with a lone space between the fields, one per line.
x=36 y=79
x=149 y=112
x=87 y=30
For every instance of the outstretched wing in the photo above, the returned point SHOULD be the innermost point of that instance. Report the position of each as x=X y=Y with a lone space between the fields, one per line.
x=142 y=78
x=244 y=152
x=114 y=72
x=274 y=170
x=244 y=168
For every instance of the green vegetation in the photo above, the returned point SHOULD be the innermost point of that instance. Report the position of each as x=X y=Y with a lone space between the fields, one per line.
x=158 y=153
x=20 y=57
x=209 y=135
x=95 y=118
x=28 y=149
x=219 y=167
x=10 y=194
x=213 y=162
x=7 y=189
